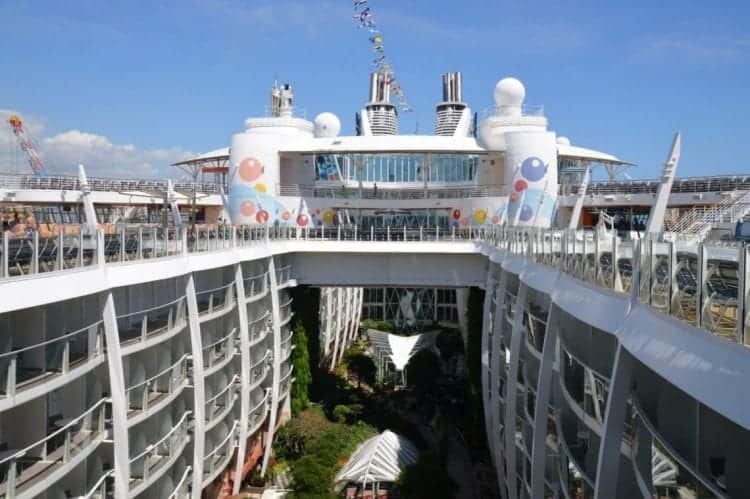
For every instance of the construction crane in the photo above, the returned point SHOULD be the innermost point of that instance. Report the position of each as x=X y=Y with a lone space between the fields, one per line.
x=26 y=142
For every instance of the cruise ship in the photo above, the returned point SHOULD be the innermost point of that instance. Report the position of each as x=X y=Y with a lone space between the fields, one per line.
x=146 y=324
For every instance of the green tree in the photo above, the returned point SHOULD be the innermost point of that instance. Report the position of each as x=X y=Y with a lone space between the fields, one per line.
x=362 y=367
x=426 y=479
x=300 y=392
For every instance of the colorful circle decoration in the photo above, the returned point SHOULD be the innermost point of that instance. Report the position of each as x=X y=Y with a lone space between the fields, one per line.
x=262 y=217
x=328 y=217
x=250 y=169
x=247 y=208
x=285 y=216
x=527 y=212
x=465 y=222
x=495 y=219
x=261 y=187
x=456 y=214
x=520 y=185
x=302 y=220
x=480 y=216
x=533 y=169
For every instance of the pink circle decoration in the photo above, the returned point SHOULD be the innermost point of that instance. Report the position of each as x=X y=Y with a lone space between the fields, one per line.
x=465 y=222
x=495 y=219
x=521 y=185
x=302 y=220
x=285 y=216
x=262 y=217
x=250 y=169
x=247 y=208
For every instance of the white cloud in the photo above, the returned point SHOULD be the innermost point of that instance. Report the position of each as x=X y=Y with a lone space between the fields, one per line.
x=62 y=152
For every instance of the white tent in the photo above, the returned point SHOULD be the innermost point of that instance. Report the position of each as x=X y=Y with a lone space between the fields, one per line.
x=379 y=459
x=400 y=348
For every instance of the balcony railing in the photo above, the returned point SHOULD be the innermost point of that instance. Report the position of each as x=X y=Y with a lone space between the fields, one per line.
x=258 y=328
x=221 y=402
x=137 y=327
x=216 y=352
x=256 y=285
x=158 y=456
x=283 y=275
x=286 y=346
x=259 y=369
x=213 y=300
x=182 y=489
x=258 y=413
x=103 y=488
x=285 y=311
x=33 y=365
x=149 y=392
x=132 y=243
x=216 y=460
x=26 y=467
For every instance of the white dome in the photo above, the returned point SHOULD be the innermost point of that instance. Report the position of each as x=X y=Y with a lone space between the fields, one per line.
x=563 y=141
x=509 y=92
x=327 y=125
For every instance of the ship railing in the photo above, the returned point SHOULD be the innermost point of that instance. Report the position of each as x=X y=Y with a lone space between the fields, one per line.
x=259 y=369
x=182 y=489
x=283 y=275
x=129 y=243
x=352 y=190
x=31 y=251
x=143 y=324
x=285 y=311
x=258 y=412
x=72 y=183
x=710 y=184
x=286 y=382
x=702 y=283
x=25 y=467
x=217 y=459
x=143 y=395
x=526 y=110
x=102 y=488
x=210 y=238
x=220 y=349
x=32 y=365
x=286 y=346
x=213 y=300
x=223 y=399
x=155 y=457
x=256 y=285
x=259 y=327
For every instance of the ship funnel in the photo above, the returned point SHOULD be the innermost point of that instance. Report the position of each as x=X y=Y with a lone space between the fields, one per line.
x=380 y=115
x=281 y=100
x=451 y=110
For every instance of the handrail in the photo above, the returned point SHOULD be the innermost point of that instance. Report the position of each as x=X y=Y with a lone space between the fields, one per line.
x=225 y=286
x=221 y=444
x=147 y=310
x=221 y=340
x=52 y=340
x=262 y=274
x=232 y=383
x=61 y=431
x=264 y=359
x=163 y=439
x=158 y=375
x=263 y=401
x=183 y=481
x=261 y=318
x=98 y=485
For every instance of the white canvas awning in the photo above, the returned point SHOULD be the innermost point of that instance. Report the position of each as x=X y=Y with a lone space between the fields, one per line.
x=400 y=349
x=379 y=459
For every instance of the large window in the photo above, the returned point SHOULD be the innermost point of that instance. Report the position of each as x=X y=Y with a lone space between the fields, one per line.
x=399 y=168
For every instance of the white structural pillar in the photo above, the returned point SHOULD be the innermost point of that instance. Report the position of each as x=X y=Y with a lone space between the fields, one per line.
x=511 y=398
x=659 y=208
x=245 y=361
x=543 y=395
x=333 y=325
x=497 y=366
x=276 y=375
x=486 y=362
x=199 y=389
x=119 y=402
x=608 y=464
x=575 y=217
x=88 y=204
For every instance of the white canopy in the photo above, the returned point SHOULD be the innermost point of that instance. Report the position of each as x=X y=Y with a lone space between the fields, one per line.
x=400 y=349
x=379 y=459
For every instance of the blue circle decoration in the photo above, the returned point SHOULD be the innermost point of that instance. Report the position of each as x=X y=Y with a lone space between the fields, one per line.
x=533 y=169
x=527 y=212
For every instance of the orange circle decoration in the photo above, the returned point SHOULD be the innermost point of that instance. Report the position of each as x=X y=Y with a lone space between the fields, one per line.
x=262 y=217
x=261 y=187
x=328 y=217
x=285 y=216
x=495 y=219
x=247 y=208
x=465 y=222
x=456 y=214
x=480 y=216
x=250 y=169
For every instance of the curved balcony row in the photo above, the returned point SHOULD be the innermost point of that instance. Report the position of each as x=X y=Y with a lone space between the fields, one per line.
x=29 y=471
x=256 y=287
x=156 y=458
x=34 y=370
x=219 y=353
x=258 y=413
x=219 y=456
x=220 y=404
x=215 y=302
x=145 y=328
x=151 y=395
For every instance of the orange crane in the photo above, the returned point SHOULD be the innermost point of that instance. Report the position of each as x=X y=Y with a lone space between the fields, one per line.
x=26 y=142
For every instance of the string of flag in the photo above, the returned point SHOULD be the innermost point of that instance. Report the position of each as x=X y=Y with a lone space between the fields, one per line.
x=364 y=18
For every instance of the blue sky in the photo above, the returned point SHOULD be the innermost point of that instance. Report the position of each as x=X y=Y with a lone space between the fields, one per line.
x=129 y=86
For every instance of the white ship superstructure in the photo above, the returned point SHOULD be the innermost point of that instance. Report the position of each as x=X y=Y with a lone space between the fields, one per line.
x=146 y=326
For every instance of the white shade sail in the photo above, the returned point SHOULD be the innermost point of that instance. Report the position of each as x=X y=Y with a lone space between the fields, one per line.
x=379 y=459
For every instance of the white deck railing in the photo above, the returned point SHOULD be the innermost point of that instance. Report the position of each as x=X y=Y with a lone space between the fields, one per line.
x=154 y=457
x=143 y=324
x=256 y=285
x=218 y=350
x=217 y=459
x=143 y=395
